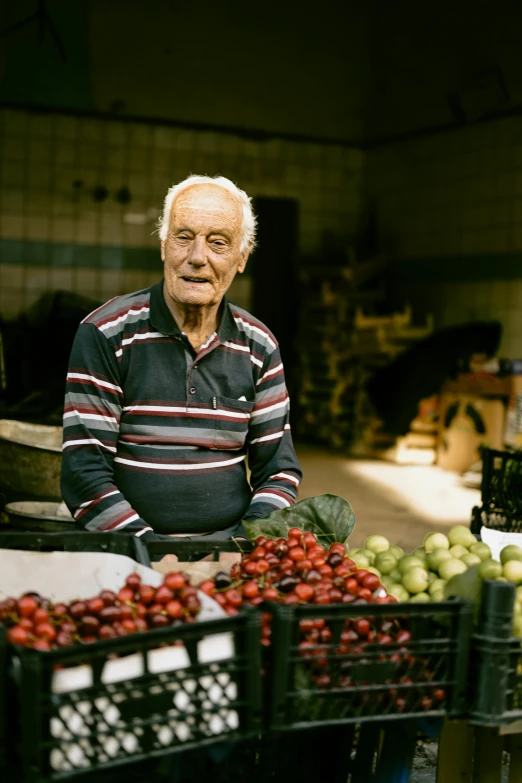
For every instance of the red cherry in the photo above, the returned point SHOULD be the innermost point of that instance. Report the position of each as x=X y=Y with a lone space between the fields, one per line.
x=439 y=694
x=17 y=635
x=304 y=592
x=77 y=609
x=174 y=609
x=348 y=598
x=125 y=595
x=258 y=553
x=270 y=544
x=325 y=570
x=207 y=587
x=426 y=702
x=365 y=593
x=262 y=566
x=360 y=574
x=141 y=624
x=291 y=599
x=164 y=594
x=45 y=631
x=270 y=594
x=309 y=540
x=90 y=625
x=233 y=597
x=335 y=595
x=59 y=610
x=403 y=637
x=133 y=581
x=293 y=542
x=64 y=639
x=351 y=585
x=110 y=614
x=95 y=605
x=313 y=577
x=129 y=625
x=106 y=632
x=250 y=589
x=250 y=568
x=295 y=532
x=159 y=620
x=362 y=626
x=296 y=553
x=27 y=606
x=43 y=645
x=41 y=615
x=108 y=597
x=371 y=582
x=338 y=548
x=260 y=540
x=175 y=581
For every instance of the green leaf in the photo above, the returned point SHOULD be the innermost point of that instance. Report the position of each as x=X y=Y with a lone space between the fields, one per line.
x=467 y=585
x=329 y=517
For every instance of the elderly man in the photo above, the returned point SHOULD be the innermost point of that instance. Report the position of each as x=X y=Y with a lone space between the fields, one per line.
x=170 y=388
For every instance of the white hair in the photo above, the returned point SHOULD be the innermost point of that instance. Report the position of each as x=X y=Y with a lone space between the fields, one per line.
x=248 y=239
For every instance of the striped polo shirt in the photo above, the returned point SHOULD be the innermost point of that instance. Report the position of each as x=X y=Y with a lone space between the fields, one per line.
x=156 y=434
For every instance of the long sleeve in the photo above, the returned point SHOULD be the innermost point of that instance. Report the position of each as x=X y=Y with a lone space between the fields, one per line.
x=275 y=471
x=91 y=423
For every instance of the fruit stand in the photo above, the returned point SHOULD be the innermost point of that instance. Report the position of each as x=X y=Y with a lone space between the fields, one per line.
x=110 y=662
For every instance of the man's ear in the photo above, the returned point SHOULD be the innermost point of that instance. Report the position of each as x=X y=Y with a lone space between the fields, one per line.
x=242 y=264
x=163 y=250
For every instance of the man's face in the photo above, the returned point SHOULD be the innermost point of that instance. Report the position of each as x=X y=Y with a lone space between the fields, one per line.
x=202 y=251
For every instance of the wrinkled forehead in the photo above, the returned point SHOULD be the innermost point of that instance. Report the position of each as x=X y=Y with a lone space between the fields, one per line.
x=206 y=202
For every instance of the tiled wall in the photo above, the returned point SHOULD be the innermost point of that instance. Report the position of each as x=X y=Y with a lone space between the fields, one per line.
x=450 y=214
x=55 y=234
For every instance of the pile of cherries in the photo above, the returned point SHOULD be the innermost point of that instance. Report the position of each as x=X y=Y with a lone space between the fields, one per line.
x=296 y=570
x=34 y=621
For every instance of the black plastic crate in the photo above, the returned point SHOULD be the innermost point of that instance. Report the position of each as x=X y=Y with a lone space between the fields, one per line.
x=59 y=734
x=77 y=541
x=196 y=548
x=352 y=682
x=496 y=673
x=501 y=492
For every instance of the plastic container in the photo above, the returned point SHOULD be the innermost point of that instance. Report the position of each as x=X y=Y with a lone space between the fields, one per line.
x=352 y=681
x=496 y=675
x=501 y=492
x=196 y=548
x=77 y=541
x=204 y=690
x=38 y=516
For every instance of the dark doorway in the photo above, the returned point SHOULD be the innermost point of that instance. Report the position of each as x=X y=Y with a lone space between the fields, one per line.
x=273 y=267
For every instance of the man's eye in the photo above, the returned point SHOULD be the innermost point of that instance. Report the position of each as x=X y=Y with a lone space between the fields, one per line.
x=219 y=243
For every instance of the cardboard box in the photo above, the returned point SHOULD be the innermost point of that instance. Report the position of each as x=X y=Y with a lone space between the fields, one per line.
x=466 y=423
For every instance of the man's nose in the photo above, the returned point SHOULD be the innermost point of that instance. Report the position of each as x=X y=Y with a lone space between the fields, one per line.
x=198 y=255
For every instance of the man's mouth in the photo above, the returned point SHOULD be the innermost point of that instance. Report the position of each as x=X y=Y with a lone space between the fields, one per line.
x=195 y=279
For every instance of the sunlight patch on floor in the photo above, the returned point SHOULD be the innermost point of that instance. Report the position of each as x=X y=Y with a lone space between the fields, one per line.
x=432 y=493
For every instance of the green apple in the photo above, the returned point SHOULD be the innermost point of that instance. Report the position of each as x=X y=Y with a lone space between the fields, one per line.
x=408 y=561
x=512 y=571
x=437 y=595
x=377 y=544
x=458 y=551
x=489 y=569
x=435 y=558
x=387 y=583
x=360 y=560
x=481 y=549
x=400 y=592
x=432 y=576
x=385 y=562
x=420 y=598
x=435 y=541
x=421 y=554
x=471 y=559
x=415 y=579
x=518 y=594
x=396 y=551
x=511 y=552
x=436 y=586
x=374 y=570
x=395 y=575
x=449 y=568
x=369 y=555
x=460 y=534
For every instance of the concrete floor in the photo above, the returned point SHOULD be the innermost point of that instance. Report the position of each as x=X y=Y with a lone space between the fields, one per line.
x=401 y=502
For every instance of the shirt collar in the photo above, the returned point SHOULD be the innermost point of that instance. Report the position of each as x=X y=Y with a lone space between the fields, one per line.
x=162 y=319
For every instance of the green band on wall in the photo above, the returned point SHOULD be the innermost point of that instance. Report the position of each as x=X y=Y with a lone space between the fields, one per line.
x=68 y=254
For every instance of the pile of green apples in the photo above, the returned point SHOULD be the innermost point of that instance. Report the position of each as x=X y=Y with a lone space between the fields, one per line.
x=422 y=575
